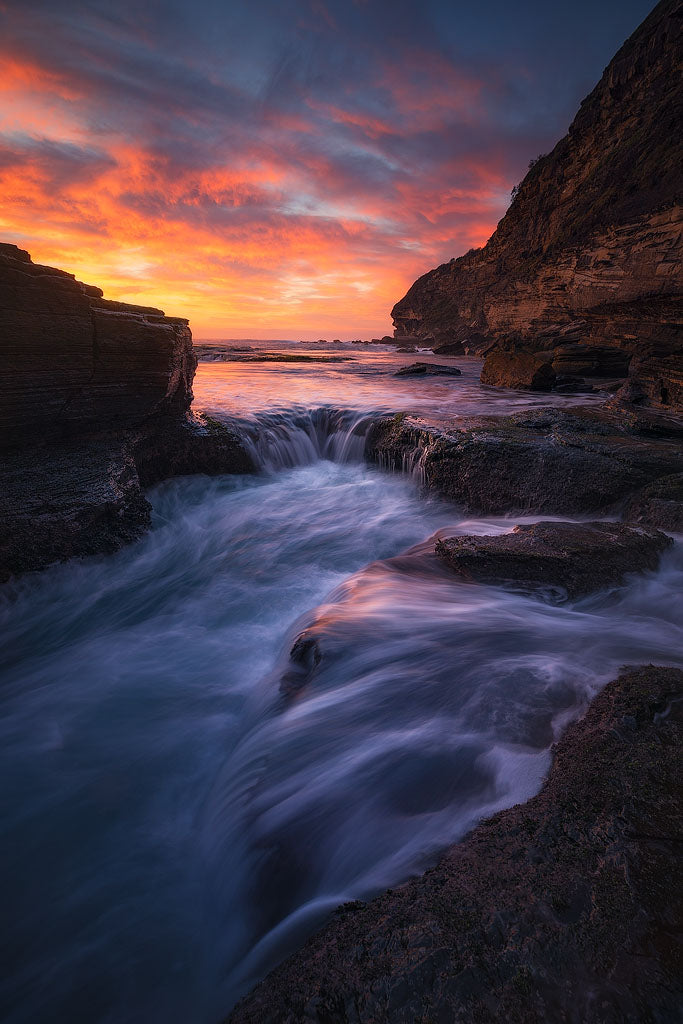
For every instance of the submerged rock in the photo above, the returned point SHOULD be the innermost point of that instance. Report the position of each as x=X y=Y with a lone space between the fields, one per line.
x=578 y=557
x=428 y=369
x=304 y=657
x=562 y=908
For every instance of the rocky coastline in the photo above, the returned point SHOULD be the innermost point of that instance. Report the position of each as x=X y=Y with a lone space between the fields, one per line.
x=560 y=908
x=583 y=274
x=115 y=417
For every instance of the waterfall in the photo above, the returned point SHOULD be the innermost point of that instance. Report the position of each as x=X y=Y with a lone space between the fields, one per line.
x=301 y=437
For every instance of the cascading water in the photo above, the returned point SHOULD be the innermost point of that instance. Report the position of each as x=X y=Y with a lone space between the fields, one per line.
x=299 y=437
x=180 y=822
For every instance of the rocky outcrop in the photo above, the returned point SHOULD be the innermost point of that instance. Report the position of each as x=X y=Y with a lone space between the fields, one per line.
x=579 y=558
x=589 y=252
x=428 y=370
x=563 y=908
x=543 y=461
x=95 y=399
x=74 y=362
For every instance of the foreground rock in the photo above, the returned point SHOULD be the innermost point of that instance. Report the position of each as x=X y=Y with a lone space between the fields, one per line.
x=578 y=557
x=540 y=461
x=587 y=260
x=560 y=909
x=428 y=369
x=95 y=406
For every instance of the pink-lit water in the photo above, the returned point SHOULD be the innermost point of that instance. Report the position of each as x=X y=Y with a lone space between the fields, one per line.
x=367 y=382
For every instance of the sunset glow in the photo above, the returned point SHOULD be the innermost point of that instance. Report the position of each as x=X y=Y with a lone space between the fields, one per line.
x=279 y=183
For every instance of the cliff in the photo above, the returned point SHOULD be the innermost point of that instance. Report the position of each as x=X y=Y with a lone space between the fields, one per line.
x=94 y=405
x=589 y=252
x=74 y=362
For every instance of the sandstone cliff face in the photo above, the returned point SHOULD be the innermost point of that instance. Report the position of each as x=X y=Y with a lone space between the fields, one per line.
x=94 y=406
x=590 y=249
x=74 y=362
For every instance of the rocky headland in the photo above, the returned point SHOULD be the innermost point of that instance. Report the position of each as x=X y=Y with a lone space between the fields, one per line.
x=582 y=276
x=95 y=406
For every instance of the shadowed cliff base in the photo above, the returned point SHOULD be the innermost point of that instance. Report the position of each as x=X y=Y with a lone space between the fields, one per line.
x=584 y=271
x=563 y=908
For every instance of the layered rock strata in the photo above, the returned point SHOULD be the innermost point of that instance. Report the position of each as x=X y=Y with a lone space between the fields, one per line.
x=589 y=252
x=94 y=405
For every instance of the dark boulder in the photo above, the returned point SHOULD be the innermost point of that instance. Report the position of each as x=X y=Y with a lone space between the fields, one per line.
x=577 y=557
x=428 y=369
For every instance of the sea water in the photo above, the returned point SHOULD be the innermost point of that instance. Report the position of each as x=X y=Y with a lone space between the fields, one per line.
x=174 y=822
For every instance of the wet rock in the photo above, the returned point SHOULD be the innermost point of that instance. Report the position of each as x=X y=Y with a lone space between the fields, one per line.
x=578 y=557
x=519 y=369
x=195 y=444
x=538 y=461
x=68 y=499
x=428 y=369
x=562 y=908
x=304 y=658
x=659 y=505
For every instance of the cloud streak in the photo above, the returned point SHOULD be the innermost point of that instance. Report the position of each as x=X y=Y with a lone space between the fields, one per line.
x=278 y=170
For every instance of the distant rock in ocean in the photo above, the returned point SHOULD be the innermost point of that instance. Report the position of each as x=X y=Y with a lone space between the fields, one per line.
x=428 y=370
x=588 y=256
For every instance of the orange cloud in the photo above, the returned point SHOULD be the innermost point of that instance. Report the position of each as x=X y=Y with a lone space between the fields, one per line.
x=279 y=235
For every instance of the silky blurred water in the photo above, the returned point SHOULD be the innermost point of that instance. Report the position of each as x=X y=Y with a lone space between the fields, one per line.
x=173 y=824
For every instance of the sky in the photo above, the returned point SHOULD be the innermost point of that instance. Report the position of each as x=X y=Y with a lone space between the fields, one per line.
x=280 y=169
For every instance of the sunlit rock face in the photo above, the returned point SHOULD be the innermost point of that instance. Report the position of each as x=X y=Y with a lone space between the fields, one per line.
x=590 y=250
x=75 y=362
